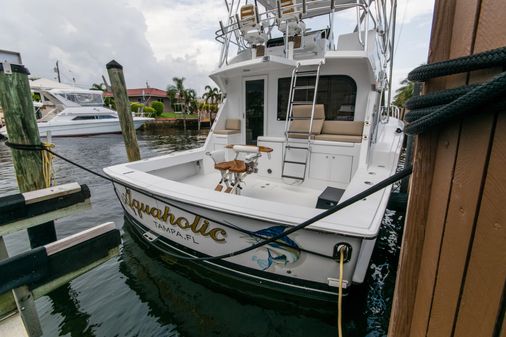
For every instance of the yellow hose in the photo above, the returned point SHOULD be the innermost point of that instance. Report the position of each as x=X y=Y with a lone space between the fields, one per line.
x=340 y=297
x=47 y=165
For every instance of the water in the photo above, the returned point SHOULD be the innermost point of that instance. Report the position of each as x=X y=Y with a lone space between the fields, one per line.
x=139 y=294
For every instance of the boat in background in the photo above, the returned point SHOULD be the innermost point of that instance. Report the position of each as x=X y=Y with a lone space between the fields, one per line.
x=306 y=124
x=76 y=112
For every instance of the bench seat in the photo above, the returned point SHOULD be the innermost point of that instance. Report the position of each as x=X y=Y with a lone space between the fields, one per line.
x=341 y=131
x=339 y=138
x=299 y=127
x=232 y=127
x=226 y=132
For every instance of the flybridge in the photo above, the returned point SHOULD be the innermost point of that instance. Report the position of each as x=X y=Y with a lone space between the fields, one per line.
x=250 y=25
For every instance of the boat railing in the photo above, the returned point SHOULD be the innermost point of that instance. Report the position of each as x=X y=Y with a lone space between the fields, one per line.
x=296 y=11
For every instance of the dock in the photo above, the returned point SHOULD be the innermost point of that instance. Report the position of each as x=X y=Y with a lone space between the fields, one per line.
x=36 y=272
x=50 y=263
x=452 y=269
x=12 y=326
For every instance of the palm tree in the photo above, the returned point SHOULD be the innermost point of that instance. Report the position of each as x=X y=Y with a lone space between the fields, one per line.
x=98 y=86
x=212 y=95
x=182 y=97
x=176 y=92
x=404 y=93
x=190 y=102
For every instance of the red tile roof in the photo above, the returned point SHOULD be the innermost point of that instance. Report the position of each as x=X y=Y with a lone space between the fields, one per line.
x=153 y=92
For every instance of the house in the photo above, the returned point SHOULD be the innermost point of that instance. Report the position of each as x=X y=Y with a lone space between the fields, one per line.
x=146 y=96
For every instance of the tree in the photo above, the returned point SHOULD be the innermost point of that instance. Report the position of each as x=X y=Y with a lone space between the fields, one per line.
x=180 y=96
x=109 y=102
x=98 y=86
x=175 y=92
x=404 y=93
x=158 y=106
x=212 y=97
x=190 y=100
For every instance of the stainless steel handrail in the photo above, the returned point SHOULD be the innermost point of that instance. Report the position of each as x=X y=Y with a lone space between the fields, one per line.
x=380 y=17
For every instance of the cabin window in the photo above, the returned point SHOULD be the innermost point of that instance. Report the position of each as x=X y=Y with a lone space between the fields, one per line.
x=82 y=118
x=85 y=99
x=106 y=117
x=337 y=92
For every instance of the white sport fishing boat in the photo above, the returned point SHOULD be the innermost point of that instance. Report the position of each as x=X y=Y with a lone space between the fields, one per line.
x=304 y=126
x=76 y=112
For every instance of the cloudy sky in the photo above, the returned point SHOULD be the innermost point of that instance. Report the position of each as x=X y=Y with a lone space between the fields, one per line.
x=155 y=40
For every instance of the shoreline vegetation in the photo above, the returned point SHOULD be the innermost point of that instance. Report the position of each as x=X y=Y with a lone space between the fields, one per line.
x=184 y=105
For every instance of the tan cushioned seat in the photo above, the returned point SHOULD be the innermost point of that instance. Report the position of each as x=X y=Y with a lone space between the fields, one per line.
x=232 y=126
x=300 y=127
x=341 y=131
x=339 y=138
x=305 y=111
x=226 y=132
x=343 y=128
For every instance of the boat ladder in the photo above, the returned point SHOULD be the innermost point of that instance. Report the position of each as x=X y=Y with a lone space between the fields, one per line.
x=293 y=135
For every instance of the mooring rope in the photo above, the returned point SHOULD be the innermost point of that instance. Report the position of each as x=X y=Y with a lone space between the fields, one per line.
x=488 y=59
x=436 y=109
x=42 y=148
x=373 y=189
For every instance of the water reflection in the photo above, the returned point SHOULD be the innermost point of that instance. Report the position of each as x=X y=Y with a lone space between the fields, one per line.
x=174 y=297
x=65 y=303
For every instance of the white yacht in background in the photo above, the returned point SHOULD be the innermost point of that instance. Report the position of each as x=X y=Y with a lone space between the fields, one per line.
x=304 y=126
x=76 y=112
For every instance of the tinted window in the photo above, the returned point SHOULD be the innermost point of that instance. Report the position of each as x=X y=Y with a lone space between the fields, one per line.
x=85 y=99
x=337 y=92
x=82 y=118
x=105 y=117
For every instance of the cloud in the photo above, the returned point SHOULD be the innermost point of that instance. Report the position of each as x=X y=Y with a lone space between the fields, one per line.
x=154 y=40
x=182 y=36
x=409 y=10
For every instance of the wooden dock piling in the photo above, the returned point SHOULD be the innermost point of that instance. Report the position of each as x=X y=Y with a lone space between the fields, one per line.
x=452 y=268
x=115 y=71
x=16 y=99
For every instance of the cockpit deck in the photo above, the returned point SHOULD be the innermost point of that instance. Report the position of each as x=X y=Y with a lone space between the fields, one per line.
x=263 y=188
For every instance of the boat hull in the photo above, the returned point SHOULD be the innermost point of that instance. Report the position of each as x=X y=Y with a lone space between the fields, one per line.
x=71 y=129
x=303 y=265
x=83 y=129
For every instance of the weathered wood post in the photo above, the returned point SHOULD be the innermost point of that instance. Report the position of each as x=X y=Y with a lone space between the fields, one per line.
x=452 y=269
x=19 y=115
x=119 y=91
x=16 y=100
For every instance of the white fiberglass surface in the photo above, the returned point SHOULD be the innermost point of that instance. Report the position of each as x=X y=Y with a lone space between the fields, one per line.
x=257 y=187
